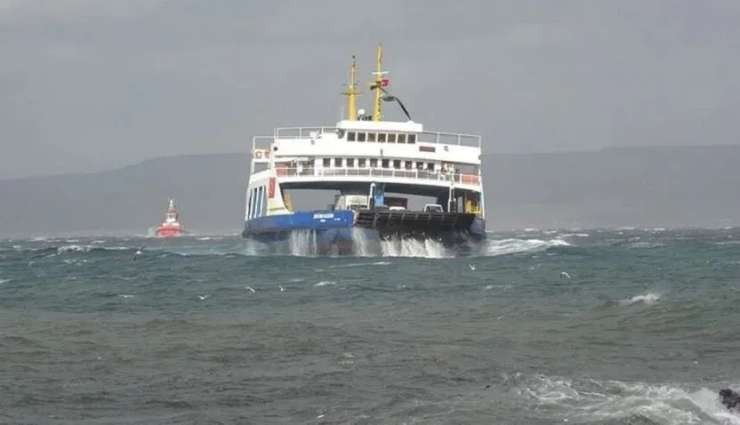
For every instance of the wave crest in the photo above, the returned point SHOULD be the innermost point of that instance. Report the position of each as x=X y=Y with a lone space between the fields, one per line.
x=649 y=298
x=496 y=247
x=589 y=400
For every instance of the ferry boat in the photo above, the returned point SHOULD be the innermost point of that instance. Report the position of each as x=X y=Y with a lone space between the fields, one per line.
x=373 y=166
x=171 y=226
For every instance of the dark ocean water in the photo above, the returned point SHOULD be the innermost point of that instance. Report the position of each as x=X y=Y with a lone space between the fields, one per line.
x=539 y=327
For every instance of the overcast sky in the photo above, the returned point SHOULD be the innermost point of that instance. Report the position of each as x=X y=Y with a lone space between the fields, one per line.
x=92 y=84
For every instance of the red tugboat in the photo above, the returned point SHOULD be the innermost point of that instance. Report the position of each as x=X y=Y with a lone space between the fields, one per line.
x=171 y=226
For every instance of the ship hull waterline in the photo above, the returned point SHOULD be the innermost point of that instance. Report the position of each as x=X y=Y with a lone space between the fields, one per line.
x=348 y=232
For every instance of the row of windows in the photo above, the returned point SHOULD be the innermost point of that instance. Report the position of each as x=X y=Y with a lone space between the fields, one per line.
x=354 y=136
x=375 y=163
x=257 y=202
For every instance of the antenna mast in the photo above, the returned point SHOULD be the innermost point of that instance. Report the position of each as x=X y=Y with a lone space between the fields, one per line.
x=352 y=92
x=378 y=83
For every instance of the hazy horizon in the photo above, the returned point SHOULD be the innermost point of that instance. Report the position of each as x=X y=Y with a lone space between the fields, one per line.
x=246 y=154
x=634 y=187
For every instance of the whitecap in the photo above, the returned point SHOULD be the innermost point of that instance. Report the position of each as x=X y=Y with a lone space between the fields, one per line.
x=73 y=248
x=512 y=246
x=325 y=283
x=732 y=242
x=646 y=245
x=648 y=299
x=126 y=295
x=597 y=401
x=4 y=281
x=575 y=235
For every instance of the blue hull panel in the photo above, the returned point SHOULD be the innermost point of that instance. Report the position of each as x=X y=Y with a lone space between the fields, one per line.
x=334 y=232
x=302 y=220
x=333 y=226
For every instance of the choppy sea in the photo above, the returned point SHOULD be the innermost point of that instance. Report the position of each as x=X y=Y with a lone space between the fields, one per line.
x=630 y=326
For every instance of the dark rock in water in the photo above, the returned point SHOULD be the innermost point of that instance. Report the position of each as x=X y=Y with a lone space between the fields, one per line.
x=729 y=398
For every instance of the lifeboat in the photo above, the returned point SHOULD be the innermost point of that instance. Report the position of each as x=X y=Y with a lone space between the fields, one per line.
x=171 y=226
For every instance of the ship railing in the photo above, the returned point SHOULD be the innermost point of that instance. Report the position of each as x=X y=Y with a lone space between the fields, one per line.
x=261 y=143
x=436 y=137
x=302 y=132
x=442 y=138
x=414 y=174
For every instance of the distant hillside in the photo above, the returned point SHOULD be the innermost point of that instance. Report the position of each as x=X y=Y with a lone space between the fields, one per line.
x=208 y=190
x=656 y=186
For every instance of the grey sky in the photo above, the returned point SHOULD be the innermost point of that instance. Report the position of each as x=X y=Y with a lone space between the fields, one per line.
x=92 y=84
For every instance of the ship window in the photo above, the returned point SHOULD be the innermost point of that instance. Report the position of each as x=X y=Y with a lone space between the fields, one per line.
x=338 y=162
x=249 y=207
x=351 y=161
x=264 y=201
x=407 y=165
x=401 y=138
x=373 y=163
x=430 y=166
x=370 y=137
x=411 y=138
x=386 y=163
x=252 y=202
x=360 y=137
x=259 y=202
x=327 y=162
x=391 y=138
x=397 y=164
x=419 y=165
x=258 y=205
x=381 y=137
x=351 y=136
x=362 y=162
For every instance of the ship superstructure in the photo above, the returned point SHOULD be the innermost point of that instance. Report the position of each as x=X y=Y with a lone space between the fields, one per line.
x=171 y=226
x=372 y=164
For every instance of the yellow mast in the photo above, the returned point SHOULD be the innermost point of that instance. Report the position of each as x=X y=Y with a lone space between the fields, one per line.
x=352 y=92
x=378 y=106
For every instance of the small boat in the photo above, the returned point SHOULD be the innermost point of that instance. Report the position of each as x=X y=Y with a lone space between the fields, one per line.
x=171 y=226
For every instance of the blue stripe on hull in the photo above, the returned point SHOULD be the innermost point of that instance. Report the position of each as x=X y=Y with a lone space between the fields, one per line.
x=304 y=235
x=334 y=227
x=302 y=220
